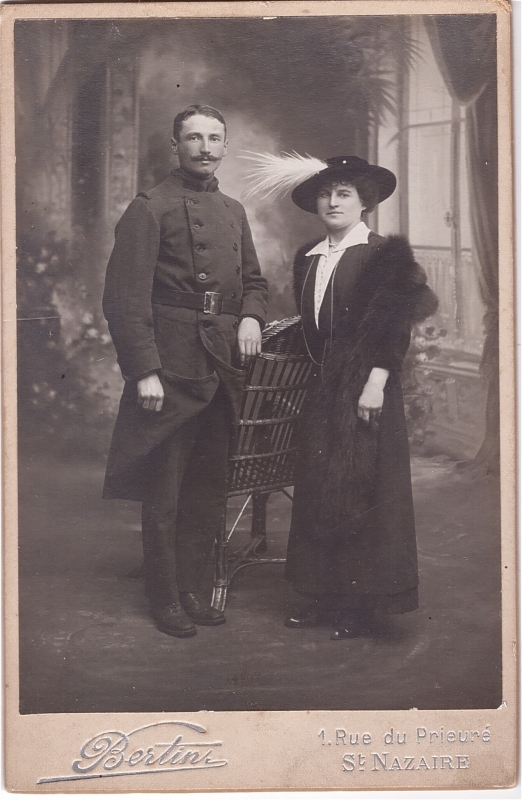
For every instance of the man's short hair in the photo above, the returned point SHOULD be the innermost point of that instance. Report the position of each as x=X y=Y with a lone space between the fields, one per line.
x=191 y=111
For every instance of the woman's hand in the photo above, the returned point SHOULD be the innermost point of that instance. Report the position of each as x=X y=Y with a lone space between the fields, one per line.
x=372 y=397
x=150 y=392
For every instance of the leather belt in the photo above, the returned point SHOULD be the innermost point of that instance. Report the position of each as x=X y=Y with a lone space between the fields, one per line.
x=208 y=303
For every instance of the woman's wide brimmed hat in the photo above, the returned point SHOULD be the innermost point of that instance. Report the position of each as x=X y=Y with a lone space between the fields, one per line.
x=343 y=168
x=304 y=175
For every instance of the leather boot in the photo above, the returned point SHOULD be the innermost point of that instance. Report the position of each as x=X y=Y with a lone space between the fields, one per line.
x=171 y=619
x=200 y=612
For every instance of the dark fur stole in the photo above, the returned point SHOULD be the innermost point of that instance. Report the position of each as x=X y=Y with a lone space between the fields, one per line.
x=340 y=449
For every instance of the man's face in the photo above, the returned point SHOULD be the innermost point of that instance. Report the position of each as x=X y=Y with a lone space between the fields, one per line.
x=201 y=145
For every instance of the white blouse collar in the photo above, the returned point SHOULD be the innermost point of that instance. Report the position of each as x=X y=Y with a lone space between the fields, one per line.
x=358 y=235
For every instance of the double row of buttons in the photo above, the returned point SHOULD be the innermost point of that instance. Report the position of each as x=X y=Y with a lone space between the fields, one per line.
x=204 y=275
x=193 y=201
x=197 y=227
x=200 y=248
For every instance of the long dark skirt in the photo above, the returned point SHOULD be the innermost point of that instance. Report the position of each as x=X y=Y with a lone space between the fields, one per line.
x=370 y=559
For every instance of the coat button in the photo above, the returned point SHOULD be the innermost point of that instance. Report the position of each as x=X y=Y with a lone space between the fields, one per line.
x=200 y=248
x=190 y=202
x=235 y=245
x=238 y=270
x=233 y=295
x=232 y=225
x=202 y=276
x=227 y=204
x=197 y=226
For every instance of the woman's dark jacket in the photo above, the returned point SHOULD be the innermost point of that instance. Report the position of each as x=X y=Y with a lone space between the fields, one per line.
x=353 y=529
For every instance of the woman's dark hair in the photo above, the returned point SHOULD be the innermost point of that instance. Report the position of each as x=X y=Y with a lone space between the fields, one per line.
x=191 y=111
x=367 y=189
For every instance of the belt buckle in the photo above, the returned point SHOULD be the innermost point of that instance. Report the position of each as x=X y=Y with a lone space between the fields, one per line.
x=213 y=303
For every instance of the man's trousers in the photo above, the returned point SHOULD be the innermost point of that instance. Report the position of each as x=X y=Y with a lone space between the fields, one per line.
x=186 y=503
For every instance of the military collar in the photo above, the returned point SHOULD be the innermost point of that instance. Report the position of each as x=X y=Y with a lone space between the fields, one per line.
x=184 y=179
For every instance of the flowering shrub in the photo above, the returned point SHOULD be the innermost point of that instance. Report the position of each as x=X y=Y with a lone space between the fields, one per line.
x=425 y=345
x=68 y=381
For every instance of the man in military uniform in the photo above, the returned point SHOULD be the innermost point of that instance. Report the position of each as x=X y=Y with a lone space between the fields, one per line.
x=185 y=301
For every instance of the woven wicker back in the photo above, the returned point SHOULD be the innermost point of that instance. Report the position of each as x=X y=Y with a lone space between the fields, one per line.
x=264 y=456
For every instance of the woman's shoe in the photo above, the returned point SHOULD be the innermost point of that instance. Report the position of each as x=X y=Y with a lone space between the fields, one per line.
x=350 y=626
x=347 y=632
x=310 y=617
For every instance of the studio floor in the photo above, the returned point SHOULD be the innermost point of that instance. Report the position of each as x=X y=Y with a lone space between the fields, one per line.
x=87 y=643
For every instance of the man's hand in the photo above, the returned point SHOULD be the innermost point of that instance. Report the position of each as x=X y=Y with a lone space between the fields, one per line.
x=372 y=397
x=150 y=392
x=248 y=339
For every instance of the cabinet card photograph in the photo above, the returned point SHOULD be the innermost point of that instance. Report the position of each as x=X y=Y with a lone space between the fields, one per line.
x=258 y=396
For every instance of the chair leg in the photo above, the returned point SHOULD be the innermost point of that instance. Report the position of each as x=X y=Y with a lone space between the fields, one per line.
x=258 y=530
x=219 y=598
x=221 y=581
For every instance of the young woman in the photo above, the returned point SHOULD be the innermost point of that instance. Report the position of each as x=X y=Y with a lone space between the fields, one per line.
x=352 y=550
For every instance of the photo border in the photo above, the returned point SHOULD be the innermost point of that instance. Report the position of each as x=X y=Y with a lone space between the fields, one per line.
x=264 y=750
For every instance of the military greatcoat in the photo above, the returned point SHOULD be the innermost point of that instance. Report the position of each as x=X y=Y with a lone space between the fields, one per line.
x=183 y=236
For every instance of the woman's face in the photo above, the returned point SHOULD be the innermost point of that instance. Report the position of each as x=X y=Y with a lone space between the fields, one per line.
x=339 y=206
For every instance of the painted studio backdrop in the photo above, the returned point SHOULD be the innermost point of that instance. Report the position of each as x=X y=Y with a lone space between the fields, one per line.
x=94 y=109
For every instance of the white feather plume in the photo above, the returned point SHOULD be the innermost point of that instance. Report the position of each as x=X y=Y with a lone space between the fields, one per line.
x=278 y=175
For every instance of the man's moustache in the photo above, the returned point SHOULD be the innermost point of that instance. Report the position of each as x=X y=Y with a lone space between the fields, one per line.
x=205 y=158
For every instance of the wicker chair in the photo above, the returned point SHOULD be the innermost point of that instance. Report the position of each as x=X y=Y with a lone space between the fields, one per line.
x=263 y=456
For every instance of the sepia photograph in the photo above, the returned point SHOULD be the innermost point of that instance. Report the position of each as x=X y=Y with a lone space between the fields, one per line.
x=257 y=356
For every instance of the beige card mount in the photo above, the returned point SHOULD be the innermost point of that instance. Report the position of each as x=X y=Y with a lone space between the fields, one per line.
x=97 y=698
